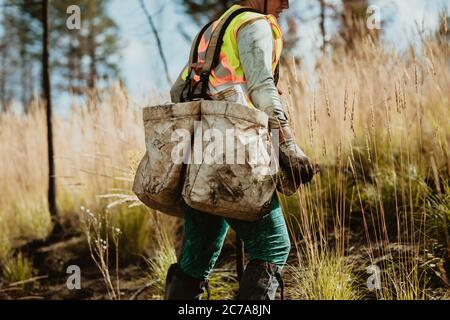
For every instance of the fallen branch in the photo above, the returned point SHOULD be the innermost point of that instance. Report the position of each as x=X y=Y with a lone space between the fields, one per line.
x=18 y=283
x=10 y=289
x=32 y=298
x=140 y=290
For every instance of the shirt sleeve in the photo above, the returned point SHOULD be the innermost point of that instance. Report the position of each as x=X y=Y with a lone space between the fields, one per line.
x=255 y=45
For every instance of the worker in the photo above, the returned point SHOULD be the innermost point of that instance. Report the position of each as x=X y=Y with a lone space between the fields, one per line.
x=246 y=74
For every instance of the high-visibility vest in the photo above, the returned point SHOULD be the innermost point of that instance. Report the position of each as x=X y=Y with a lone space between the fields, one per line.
x=229 y=70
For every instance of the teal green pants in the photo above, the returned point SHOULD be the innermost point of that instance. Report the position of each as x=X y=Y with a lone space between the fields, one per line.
x=266 y=239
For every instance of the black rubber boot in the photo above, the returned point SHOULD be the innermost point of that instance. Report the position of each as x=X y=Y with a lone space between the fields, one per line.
x=260 y=281
x=180 y=286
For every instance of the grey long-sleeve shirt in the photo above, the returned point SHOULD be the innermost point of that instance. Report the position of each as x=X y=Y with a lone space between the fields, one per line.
x=255 y=45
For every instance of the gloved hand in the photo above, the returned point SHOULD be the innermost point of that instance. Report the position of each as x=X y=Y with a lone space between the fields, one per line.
x=295 y=165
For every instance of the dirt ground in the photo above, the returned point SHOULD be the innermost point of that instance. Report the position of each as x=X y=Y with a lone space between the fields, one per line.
x=52 y=260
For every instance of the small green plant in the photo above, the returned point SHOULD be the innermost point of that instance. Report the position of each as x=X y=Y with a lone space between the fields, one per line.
x=136 y=226
x=5 y=244
x=327 y=278
x=402 y=281
x=437 y=210
x=17 y=270
x=223 y=284
x=164 y=256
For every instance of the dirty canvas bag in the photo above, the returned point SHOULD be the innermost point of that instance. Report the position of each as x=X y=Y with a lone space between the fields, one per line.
x=159 y=177
x=231 y=172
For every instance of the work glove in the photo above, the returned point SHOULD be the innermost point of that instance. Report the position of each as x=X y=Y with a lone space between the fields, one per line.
x=296 y=168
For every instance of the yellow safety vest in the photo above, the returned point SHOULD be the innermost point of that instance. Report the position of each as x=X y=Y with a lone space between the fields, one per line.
x=229 y=70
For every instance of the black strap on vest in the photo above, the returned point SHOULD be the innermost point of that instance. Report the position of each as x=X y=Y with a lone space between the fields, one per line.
x=218 y=48
x=193 y=59
x=276 y=75
x=205 y=72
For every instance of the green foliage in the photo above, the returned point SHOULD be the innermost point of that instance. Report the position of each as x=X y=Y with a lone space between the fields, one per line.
x=387 y=182
x=5 y=244
x=437 y=209
x=402 y=280
x=136 y=229
x=203 y=11
x=223 y=285
x=164 y=256
x=81 y=58
x=327 y=278
x=96 y=42
x=19 y=49
x=17 y=269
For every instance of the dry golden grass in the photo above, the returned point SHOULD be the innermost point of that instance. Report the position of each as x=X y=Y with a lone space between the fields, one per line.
x=379 y=125
x=94 y=148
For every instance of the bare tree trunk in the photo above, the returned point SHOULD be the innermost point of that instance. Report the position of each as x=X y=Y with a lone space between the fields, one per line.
x=2 y=78
x=158 y=41
x=78 y=71
x=3 y=72
x=24 y=76
x=322 y=23
x=92 y=78
x=92 y=72
x=46 y=86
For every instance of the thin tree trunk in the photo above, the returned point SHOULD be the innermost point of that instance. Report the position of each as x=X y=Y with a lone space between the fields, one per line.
x=78 y=71
x=158 y=41
x=92 y=72
x=2 y=78
x=46 y=86
x=322 y=23
x=24 y=76
x=3 y=72
x=92 y=78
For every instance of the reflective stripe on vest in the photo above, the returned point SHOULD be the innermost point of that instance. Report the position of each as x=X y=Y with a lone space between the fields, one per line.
x=229 y=70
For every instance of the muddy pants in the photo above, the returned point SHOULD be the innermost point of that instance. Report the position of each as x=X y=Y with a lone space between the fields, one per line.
x=266 y=239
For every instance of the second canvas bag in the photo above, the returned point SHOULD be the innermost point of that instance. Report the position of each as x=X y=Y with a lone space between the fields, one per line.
x=230 y=173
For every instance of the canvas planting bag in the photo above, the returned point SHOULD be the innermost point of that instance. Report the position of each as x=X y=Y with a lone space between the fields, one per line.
x=159 y=180
x=234 y=177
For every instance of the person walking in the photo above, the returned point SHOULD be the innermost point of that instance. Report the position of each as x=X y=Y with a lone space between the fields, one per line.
x=246 y=73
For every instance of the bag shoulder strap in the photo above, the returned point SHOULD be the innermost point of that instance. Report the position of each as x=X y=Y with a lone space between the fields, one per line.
x=215 y=44
x=212 y=53
x=193 y=57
